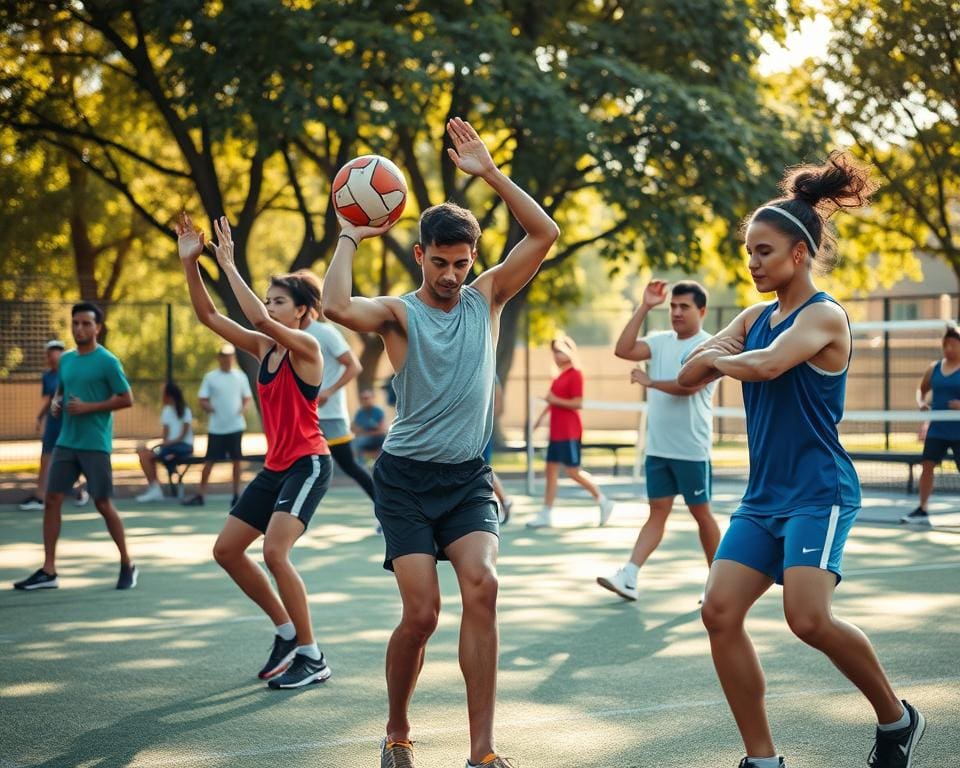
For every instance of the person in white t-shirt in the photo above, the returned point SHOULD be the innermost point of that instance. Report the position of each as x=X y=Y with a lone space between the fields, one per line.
x=176 y=441
x=225 y=395
x=679 y=424
x=340 y=367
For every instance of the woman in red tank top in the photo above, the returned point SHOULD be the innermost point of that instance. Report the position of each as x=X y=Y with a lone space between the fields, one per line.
x=280 y=501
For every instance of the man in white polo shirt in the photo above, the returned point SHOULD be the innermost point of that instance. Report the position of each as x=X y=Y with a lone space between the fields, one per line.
x=224 y=394
x=679 y=424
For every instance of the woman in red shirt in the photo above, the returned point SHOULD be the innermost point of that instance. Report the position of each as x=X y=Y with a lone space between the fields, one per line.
x=564 y=401
x=281 y=499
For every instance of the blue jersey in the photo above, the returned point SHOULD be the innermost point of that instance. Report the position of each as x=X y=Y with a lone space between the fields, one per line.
x=796 y=459
x=945 y=389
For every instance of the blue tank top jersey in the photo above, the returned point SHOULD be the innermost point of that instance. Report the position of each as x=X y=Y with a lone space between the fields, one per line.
x=796 y=459
x=945 y=389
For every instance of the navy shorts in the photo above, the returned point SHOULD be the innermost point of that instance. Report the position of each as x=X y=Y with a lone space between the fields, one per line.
x=297 y=491
x=668 y=477
x=810 y=536
x=566 y=452
x=935 y=449
x=220 y=447
x=51 y=431
x=424 y=506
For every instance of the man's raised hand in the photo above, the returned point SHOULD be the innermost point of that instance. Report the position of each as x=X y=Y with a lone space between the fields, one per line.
x=468 y=153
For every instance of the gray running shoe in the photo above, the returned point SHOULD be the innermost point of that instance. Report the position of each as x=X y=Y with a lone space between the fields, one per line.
x=396 y=754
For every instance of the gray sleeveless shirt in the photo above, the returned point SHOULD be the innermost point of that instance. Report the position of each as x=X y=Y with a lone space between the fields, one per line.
x=445 y=387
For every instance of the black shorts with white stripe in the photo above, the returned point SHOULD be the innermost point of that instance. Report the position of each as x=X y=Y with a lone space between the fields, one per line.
x=297 y=490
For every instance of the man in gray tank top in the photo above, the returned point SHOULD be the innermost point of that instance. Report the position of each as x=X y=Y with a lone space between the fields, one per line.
x=434 y=495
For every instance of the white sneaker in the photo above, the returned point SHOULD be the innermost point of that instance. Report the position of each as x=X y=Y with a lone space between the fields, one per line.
x=81 y=499
x=606 y=509
x=544 y=519
x=153 y=493
x=618 y=583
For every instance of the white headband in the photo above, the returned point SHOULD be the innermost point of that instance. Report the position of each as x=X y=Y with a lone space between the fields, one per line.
x=795 y=220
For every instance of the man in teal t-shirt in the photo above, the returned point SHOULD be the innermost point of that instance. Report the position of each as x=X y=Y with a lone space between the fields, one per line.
x=92 y=386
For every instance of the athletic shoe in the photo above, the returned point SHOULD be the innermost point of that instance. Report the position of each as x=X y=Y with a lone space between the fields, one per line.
x=396 y=754
x=494 y=762
x=505 y=509
x=194 y=501
x=919 y=515
x=894 y=749
x=82 y=497
x=618 y=583
x=606 y=509
x=302 y=671
x=31 y=504
x=39 y=579
x=544 y=519
x=153 y=493
x=128 y=577
x=748 y=763
x=280 y=657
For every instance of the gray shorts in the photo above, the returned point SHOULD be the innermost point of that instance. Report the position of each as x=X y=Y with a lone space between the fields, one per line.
x=68 y=464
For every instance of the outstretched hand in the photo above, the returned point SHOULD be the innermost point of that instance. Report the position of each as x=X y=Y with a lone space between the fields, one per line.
x=190 y=240
x=358 y=233
x=223 y=249
x=468 y=153
x=655 y=293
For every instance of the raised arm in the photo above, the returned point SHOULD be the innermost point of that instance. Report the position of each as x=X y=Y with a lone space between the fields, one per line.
x=190 y=243
x=629 y=345
x=923 y=389
x=502 y=282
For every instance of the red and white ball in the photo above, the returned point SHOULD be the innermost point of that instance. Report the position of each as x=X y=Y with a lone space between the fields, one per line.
x=369 y=191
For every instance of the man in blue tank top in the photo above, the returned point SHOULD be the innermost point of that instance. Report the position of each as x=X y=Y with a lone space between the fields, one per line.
x=803 y=494
x=434 y=493
x=942 y=378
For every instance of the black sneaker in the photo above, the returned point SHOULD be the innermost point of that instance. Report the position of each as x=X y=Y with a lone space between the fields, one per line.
x=919 y=515
x=194 y=501
x=302 y=671
x=894 y=749
x=748 y=763
x=39 y=579
x=128 y=577
x=280 y=657
x=31 y=504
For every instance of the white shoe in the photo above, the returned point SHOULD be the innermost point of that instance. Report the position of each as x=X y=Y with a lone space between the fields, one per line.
x=81 y=499
x=153 y=493
x=618 y=583
x=544 y=519
x=606 y=509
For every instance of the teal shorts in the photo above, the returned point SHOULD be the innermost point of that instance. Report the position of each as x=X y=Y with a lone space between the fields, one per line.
x=810 y=536
x=668 y=477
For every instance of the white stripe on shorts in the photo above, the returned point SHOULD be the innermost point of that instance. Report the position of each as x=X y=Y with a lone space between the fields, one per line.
x=831 y=534
x=307 y=487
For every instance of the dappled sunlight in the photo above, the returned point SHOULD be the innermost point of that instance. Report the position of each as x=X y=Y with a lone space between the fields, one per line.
x=19 y=690
x=151 y=663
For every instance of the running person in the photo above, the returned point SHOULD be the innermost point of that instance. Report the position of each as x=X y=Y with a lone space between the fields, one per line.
x=941 y=381
x=564 y=401
x=679 y=432
x=434 y=497
x=281 y=499
x=792 y=355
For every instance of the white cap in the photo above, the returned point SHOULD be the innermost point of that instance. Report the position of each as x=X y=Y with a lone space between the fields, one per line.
x=228 y=349
x=55 y=344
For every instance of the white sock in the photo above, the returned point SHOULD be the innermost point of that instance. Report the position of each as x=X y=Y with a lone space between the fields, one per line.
x=903 y=722
x=630 y=570
x=601 y=499
x=154 y=484
x=546 y=510
x=311 y=651
x=286 y=631
x=765 y=762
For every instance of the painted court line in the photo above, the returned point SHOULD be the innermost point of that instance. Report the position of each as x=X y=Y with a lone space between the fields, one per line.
x=373 y=739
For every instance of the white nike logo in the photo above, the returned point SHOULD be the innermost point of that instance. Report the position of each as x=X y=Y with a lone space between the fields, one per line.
x=813 y=549
x=490 y=521
x=697 y=493
x=904 y=748
x=282 y=501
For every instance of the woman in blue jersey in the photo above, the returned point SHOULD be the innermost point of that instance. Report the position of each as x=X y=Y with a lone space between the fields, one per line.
x=803 y=493
x=942 y=378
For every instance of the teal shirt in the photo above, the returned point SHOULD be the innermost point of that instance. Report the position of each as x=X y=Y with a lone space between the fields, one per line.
x=93 y=377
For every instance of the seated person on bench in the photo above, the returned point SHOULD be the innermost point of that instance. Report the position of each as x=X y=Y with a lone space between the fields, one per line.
x=369 y=425
x=177 y=441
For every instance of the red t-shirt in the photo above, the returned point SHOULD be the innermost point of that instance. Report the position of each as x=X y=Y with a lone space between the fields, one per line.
x=288 y=408
x=565 y=423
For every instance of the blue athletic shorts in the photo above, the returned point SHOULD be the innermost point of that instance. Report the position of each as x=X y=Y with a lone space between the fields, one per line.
x=812 y=536
x=566 y=452
x=668 y=477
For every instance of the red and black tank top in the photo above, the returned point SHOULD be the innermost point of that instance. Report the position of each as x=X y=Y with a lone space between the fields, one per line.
x=288 y=407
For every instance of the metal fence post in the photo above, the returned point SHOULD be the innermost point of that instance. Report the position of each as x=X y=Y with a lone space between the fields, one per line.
x=169 y=341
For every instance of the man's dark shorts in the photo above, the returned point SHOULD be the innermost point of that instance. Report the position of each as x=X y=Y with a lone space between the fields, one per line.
x=67 y=464
x=220 y=447
x=935 y=450
x=297 y=491
x=424 y=506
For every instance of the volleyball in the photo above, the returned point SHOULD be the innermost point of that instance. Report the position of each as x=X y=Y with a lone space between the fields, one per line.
x=369 y=191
